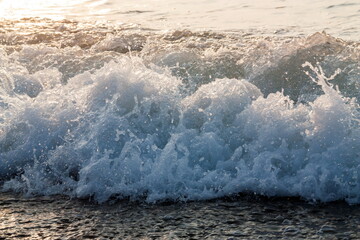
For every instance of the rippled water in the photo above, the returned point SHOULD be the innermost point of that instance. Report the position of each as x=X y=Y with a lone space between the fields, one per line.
x=338 y=17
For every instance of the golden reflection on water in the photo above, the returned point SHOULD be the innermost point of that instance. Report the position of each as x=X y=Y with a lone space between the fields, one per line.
x=338 y=17
x=42 y=8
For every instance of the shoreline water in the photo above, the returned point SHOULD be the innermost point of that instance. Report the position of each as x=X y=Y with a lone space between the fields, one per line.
x=338 y=17
x=169 y=104
x=246 y=217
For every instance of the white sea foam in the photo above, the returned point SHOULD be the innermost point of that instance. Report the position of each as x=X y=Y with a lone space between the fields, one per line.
x=128 y=131
x=173 y=119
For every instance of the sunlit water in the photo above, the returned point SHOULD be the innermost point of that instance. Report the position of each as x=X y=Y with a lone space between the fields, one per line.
x=180 y=100
x=338 y=17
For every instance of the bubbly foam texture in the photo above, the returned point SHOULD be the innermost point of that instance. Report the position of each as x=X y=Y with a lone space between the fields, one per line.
x=180 y=122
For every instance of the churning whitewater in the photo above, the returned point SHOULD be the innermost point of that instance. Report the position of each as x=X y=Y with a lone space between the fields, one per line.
x=178 y=116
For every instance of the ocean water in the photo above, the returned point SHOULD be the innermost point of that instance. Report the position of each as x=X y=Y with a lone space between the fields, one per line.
x=339 y=18
x=180 y=100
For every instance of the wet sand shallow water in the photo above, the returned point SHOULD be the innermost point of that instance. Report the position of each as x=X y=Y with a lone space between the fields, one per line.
x=246 y=217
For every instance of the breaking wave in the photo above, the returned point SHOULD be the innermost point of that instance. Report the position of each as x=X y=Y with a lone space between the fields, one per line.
x=179 y=116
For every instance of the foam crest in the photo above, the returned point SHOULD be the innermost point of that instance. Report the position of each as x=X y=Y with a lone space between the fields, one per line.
x=100 y=124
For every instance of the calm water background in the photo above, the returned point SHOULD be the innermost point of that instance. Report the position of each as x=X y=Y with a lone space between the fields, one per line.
x=338 y=17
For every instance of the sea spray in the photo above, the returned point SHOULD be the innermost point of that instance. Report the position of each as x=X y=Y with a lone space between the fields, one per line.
x=91 y=122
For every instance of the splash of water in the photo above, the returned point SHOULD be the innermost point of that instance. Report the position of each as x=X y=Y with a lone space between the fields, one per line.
x=126 y=128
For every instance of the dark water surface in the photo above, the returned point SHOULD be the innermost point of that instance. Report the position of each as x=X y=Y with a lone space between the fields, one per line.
x=246 y=217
